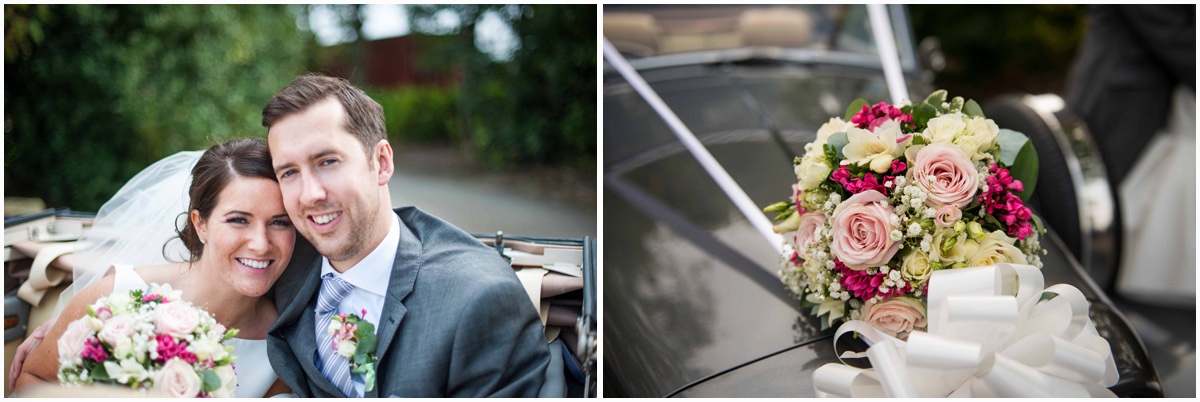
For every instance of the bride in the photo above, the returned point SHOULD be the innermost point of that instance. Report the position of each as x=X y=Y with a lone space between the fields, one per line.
x=237 y=240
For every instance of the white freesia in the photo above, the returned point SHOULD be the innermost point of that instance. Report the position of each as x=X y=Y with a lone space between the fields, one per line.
x=128 y=371
x=984 y=130
x=205 y=349
x=166 y=291
x=876 y=149
x=124 y=348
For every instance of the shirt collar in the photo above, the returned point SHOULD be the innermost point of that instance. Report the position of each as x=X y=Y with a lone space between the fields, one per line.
x=367 y=273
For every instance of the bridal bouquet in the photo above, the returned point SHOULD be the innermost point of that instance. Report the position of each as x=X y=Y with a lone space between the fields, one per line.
x=149 y=340
x=893 y=193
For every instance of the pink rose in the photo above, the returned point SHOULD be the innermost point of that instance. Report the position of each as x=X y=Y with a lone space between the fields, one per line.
x=74 y=340
x=895 y=315
x=175 y=319
x=118 y=327
x=947 y=215
x=861 y=228
x=177 y=379
x=806 y=234
x=946 y=173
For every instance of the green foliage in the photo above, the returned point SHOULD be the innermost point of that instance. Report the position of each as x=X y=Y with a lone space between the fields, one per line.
x=838 y=141
x=854 y=108
x=419 y=114
x=540 y=106
x=209 y=381
x=1025 y=169
x=117 y=87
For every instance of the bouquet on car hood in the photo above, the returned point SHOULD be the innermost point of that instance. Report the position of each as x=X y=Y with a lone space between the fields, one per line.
x=892 y=193
x=149 y=340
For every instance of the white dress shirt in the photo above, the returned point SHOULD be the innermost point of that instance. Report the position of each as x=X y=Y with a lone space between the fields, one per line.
x=370 y=279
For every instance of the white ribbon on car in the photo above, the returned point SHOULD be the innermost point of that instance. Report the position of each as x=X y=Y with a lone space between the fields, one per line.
x=993 y=332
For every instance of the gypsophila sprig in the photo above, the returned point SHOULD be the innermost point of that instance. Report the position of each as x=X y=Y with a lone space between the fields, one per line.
x=893 y=193
x=150 y=340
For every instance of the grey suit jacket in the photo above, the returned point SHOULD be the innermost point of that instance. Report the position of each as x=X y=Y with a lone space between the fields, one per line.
x=456 y=321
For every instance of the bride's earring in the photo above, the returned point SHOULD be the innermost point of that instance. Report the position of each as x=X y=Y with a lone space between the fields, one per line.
x=201 y=240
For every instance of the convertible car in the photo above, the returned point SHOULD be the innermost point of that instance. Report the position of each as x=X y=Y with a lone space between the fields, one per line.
x=693 y=304
x=558 y=273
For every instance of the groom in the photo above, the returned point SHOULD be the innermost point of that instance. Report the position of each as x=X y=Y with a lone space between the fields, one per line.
x=450 y=317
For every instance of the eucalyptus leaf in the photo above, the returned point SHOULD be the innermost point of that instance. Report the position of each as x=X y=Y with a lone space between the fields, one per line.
x=972 y=109
x=838 y=141
x=1010 y=143
x=210 y=381
x=854 y=108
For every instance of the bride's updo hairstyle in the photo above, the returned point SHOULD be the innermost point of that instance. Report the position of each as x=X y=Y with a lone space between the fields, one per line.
x=218 y=166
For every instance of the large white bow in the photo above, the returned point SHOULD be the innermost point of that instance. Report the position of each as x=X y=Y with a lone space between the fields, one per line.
x=993 y=332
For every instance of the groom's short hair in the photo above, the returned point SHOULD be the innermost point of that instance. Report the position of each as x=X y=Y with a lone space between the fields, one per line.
x=364 y=116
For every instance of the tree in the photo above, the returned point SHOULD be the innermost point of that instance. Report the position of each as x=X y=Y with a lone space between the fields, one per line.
x=538 y=107
x=117 y=87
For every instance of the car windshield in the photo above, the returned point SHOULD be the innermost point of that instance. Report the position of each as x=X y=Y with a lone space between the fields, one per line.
x=649 y=31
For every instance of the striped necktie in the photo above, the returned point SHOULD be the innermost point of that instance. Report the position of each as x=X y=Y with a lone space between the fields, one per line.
x=335 y=367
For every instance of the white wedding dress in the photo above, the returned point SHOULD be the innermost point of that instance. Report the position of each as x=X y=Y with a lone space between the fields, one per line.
x=254 y=372
x=137 y=228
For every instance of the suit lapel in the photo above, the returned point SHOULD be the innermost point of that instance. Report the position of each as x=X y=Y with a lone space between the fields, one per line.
x=298 y=324
x=404 y=276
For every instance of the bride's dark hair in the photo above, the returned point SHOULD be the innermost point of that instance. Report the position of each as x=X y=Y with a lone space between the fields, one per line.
x=218 y=166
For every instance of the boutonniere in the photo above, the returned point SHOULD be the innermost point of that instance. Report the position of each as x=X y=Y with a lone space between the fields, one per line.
x=354 y=339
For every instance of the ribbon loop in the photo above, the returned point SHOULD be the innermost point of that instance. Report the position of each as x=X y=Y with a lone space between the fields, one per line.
x=993 y=331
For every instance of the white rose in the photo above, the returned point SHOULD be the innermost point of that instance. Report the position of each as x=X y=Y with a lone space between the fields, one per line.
x=915 y=267
x=812 y=170
x=228 y=382
x=177 y=379
x=985 y=132
x=346 y=348
x=876 y=149
x=995 y=248
x=945 y=128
